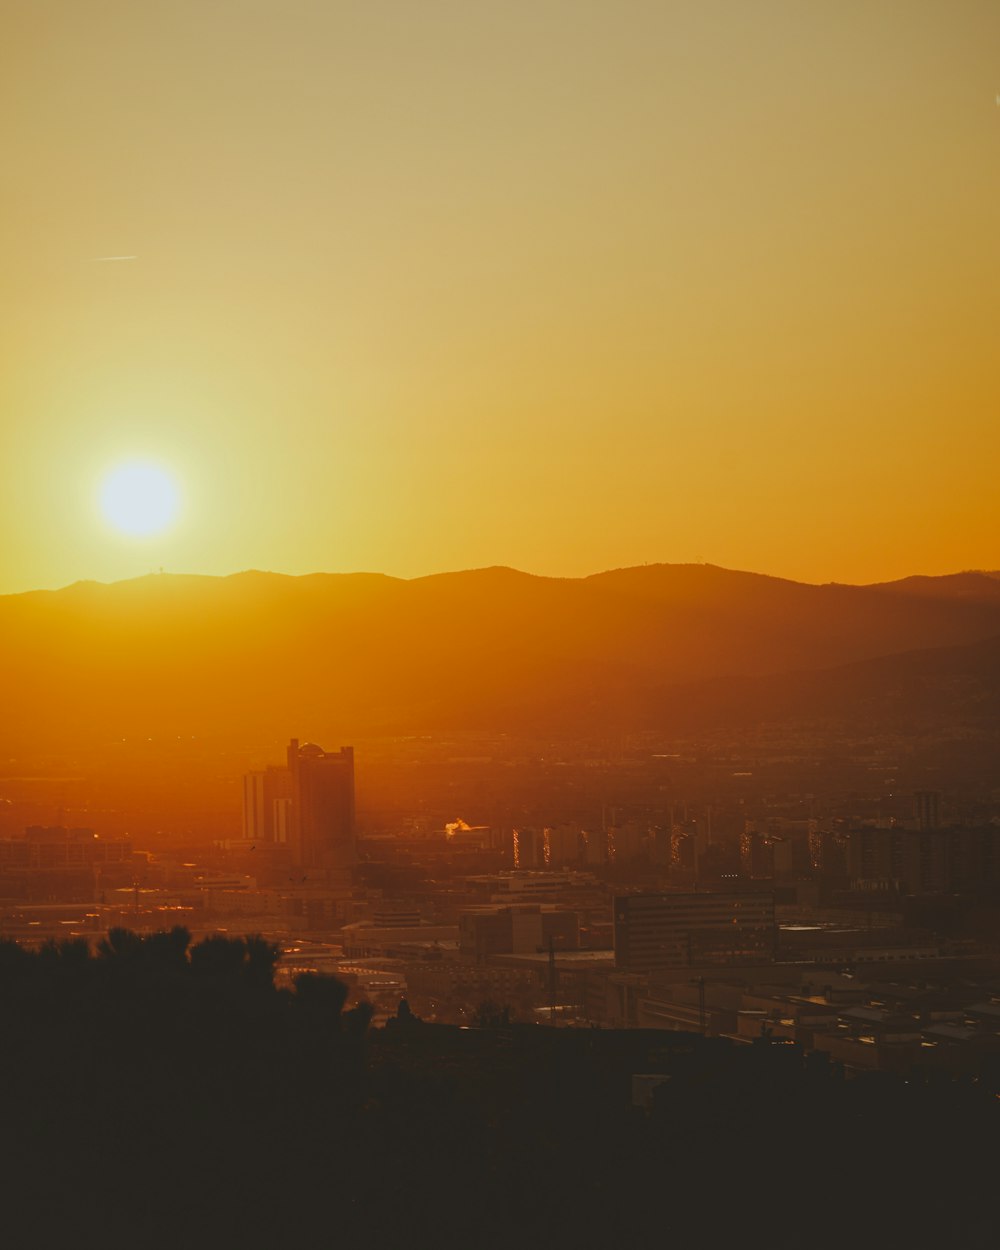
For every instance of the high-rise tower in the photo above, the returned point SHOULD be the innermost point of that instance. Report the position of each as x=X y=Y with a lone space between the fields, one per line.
x=322 y=831
x=308 y=804
x=267 y=798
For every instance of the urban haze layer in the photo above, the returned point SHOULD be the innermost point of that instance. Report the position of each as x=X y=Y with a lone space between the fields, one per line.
x=700 y=852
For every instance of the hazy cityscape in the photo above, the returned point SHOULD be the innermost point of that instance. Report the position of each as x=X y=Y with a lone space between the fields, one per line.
x=725 y=937
x=499 y=624
x=822 y=870
x=614 y=885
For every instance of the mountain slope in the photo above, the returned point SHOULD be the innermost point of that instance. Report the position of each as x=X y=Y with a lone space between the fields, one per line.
x=486 y=648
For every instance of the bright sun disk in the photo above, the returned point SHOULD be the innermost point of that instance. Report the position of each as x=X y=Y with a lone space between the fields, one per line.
x=139 y=498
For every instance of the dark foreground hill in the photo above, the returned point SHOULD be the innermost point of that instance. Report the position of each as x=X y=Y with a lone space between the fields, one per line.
x=155 y=1096
x=485 y=649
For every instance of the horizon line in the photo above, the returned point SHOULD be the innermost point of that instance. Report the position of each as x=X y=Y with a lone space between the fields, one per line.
x=155 y=574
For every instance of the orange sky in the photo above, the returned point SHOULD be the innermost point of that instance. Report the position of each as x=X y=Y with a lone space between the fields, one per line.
x=561 y=284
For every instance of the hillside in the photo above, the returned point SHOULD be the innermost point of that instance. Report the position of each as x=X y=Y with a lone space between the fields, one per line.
x=486 y=648
x=936 y=690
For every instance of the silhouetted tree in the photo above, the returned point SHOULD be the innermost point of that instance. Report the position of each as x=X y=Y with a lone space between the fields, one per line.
x=356 y=1021
x=219 y=959
x=168 y=950
x=73 y=953
x=120 y=944
x=404 y=1016
x=261 y=959
x=490 y=1015
x=321 y=998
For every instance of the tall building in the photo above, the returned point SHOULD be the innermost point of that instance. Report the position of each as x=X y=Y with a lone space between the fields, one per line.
x=308 y=805
x=927 y=809
x=673 y=930
x=267 y=797
x=563 y=845
x=524 y=928
x=529 y=848
x=875 y=857
x=321 y=830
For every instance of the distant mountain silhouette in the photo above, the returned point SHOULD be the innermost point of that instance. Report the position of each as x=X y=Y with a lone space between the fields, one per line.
x=487 y=648
x=953 y=689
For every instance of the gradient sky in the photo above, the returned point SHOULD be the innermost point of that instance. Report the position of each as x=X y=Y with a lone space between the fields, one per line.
x=560 y=284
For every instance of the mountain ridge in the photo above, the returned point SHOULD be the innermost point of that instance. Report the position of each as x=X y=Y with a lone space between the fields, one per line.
x=908 y=584
x=491 y=646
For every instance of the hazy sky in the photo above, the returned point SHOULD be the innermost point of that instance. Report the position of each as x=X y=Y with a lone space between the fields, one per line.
x=561 y=284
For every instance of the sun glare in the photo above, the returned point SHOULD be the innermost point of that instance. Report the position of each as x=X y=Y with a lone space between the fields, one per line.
x=139 y=499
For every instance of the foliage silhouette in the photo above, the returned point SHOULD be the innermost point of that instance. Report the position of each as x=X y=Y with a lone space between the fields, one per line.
x=165 y=1091
x=490 y=1015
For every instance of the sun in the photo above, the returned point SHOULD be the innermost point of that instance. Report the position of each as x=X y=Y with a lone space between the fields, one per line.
x=139 y=498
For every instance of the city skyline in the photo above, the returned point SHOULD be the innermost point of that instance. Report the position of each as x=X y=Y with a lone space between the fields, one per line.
x=579 y=417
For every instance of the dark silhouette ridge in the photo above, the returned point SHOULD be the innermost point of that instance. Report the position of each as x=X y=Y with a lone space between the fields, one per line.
x=972 y=584
x=157 y=1096
x=489 y=648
